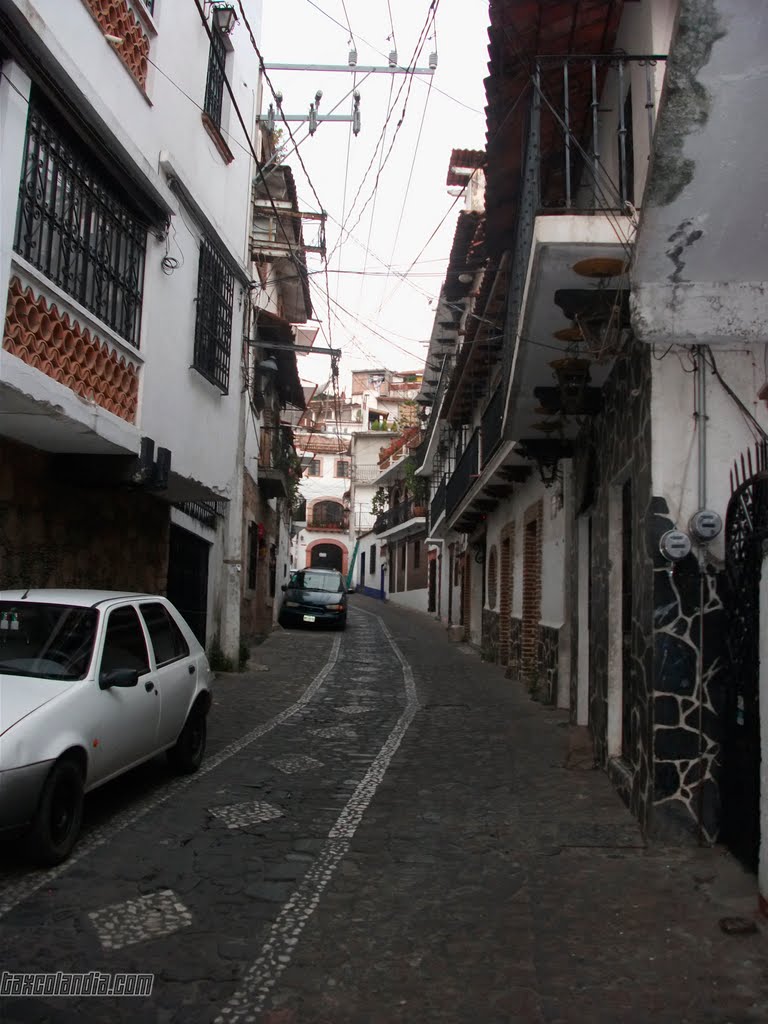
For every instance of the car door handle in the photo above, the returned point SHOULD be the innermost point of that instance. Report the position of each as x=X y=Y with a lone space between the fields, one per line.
x=191 y=670
x=149 y=687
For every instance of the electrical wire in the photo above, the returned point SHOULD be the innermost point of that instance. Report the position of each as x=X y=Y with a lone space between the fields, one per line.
x=391 y=26
x=407 y=85
x=410 y=178
x=381 y=156
x=235 y=106
x=274 y=96
x=752 y=423
x=375 y=49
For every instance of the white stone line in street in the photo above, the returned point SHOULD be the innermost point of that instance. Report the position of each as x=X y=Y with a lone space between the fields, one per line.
x=291 y=765
x=259 y=980
x=14 y=890
x=252 y=812
x=335 y=732
x=148 y=917
x=354 y=709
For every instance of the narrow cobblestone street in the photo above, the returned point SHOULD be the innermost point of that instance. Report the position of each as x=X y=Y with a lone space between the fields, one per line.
x=384 y=829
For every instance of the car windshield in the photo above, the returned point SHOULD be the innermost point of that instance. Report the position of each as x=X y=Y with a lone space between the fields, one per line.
x=308 y=580
x=48 y=641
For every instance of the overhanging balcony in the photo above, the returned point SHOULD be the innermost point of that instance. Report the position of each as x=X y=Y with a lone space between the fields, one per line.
x=407 y=517
x=437 y=508
x=586 y=140
x=485 y=473
x=329 y=522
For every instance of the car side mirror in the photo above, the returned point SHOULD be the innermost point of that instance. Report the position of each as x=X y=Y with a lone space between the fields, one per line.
x=118 y=677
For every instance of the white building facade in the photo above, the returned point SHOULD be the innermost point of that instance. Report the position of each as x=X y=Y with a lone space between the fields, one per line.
x=125 y=214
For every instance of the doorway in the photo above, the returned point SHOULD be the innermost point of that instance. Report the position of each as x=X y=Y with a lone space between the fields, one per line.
x=326 y=556
x=187 y=585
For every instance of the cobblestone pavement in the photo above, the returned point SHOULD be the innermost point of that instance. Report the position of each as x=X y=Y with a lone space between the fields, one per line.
x=385 y=829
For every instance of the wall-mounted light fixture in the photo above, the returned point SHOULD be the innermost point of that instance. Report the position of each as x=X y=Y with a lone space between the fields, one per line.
x=572 y=377
x=224 y=15
x=546 y=453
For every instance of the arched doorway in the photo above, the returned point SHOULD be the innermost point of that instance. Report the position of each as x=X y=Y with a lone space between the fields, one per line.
x=326 y=556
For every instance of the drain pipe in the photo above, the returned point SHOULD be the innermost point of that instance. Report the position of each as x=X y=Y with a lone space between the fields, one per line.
x=701 y=414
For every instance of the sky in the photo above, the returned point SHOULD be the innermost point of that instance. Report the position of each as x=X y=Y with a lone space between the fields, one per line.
x=386 y=186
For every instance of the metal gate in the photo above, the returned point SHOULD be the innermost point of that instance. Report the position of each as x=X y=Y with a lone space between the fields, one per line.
x=188 y=578
x=746 y=533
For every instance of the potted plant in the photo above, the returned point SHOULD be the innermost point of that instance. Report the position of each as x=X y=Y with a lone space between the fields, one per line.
x=380 y=501
x=418 y=487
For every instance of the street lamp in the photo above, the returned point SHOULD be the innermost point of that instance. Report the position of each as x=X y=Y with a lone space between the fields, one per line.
x=224 y=17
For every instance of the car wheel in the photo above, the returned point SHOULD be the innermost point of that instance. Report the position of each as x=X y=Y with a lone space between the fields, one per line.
x=342 y=623
x=186 y=755
x=59 y=815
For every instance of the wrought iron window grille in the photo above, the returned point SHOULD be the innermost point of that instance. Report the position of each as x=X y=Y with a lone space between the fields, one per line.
x=215 y=82
x=73 y=226
x=206 y=512
x=213 y=326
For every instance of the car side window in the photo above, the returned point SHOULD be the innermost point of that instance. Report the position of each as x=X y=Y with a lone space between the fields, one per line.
x=167 y=639
x=124 y=643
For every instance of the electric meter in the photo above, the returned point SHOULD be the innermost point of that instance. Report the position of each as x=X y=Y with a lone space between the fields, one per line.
x=705 y=525
x=674 y=545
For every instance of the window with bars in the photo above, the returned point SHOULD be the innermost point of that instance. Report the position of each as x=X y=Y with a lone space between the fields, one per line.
x=342 y=467
x=73 y=225
x=313 y=469
x=214 y=85
x=213 y=327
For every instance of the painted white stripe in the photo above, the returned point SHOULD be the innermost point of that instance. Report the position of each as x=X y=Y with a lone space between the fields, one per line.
x=284 y=934
x=17 y=889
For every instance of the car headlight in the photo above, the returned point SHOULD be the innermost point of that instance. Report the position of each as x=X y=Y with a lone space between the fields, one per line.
x=335 y=607
x=291 y=604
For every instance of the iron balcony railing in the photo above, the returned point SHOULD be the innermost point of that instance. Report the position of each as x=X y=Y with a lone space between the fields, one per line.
x=328 y=521
x=398 y=514
x=465 y=474
x=365 y=473
x=437 y=507
x=572 y=118
x=491 y=424
x=582 y=118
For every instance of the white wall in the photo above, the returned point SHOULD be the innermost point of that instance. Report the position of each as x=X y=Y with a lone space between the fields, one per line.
x=170 y=121
x=178 y=408
x=327 y=485
x=675 y=440
x=416 y=599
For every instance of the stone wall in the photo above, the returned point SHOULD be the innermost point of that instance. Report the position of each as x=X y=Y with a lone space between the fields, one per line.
x=613 y=443
x=668 y=773
x=548 y=662
x=54 y=533
x=686 y=709
x=490 y=636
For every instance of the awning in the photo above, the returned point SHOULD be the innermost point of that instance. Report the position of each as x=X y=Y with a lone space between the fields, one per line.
x=271 y=327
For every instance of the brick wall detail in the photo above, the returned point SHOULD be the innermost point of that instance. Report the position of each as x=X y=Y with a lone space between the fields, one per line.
x=49 y=340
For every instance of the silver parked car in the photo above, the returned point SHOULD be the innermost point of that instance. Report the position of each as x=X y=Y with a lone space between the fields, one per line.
x=92 y=683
